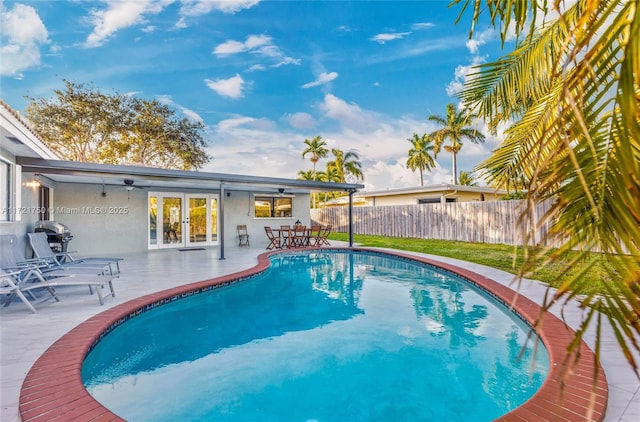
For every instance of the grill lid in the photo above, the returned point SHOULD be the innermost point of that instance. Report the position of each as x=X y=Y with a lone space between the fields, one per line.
x=53 y=226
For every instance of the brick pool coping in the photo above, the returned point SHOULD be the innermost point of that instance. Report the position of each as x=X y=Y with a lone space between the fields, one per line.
x=53 y=388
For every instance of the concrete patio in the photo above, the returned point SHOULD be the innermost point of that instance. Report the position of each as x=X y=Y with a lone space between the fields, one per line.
x=25 y=336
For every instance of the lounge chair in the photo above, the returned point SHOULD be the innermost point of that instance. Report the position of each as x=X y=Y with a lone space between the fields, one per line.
x=9 y=287
x=274 y=241
x=12 y=258
x=243 y=235
x=42 y=250
x=16 y=283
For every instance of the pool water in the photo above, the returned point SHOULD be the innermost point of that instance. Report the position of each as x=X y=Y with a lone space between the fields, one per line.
x=321 y=336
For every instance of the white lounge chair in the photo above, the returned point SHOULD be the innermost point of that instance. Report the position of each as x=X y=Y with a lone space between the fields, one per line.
x=16 y=283
x=41 y=249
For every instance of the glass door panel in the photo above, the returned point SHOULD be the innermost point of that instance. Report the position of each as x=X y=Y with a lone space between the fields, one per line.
x=197 y=220
x=153 y=220
x=214 y=219
x=172 y=221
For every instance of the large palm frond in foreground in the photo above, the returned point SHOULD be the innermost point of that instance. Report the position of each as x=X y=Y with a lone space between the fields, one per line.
x=572 y=87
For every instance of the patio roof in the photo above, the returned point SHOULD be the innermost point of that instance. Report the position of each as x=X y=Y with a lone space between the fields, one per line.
x=151 y=177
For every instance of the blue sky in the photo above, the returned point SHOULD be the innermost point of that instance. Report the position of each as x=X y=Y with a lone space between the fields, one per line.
x=263 y=76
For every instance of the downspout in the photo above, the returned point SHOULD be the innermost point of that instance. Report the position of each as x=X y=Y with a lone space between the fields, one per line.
x=351 y=192
x=221 y=225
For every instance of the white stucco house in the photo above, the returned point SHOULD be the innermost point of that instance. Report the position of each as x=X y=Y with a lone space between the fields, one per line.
x=117 y=209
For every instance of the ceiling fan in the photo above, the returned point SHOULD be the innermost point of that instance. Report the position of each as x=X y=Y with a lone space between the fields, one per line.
x=128 y=185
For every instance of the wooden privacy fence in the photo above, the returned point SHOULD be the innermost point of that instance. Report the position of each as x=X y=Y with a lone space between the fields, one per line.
x=485 y=222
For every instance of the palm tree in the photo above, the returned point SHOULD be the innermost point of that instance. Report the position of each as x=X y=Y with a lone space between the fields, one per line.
x=317 y=148
x=347 y=165
x=306 y=175
x=420 y=157
x=455 y=128
x=571 y=87
x=466 y=179
x=310 y=175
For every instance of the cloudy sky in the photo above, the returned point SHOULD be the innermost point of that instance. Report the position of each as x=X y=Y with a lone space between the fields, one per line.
x=263 y=76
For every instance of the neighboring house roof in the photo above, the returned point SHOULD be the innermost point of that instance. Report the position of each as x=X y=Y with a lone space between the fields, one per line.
x=343 y=200
x=439 y=188
x=17 y=137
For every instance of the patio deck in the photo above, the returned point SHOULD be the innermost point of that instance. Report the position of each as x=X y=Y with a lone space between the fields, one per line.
x=24 y=336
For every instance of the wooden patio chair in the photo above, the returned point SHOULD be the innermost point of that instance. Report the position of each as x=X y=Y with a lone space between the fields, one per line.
x=243 y=235
x=299 y=236
x=324 y=234
x=314 y=235
x=275 y=242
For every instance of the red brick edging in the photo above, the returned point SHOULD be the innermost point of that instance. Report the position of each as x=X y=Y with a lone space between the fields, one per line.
x=53 y=388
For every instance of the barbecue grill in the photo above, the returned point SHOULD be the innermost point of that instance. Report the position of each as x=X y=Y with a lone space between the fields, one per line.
x=58 y=234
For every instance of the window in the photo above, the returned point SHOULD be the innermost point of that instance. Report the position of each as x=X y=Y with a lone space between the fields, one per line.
x=436 y=200
x=273 y=206
x=44 y=202
x=5 y=191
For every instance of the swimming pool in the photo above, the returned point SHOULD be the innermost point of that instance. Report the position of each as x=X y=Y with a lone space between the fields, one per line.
x=320 y=335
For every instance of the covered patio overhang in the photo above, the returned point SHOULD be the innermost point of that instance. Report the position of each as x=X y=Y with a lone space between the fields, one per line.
x=60 y=171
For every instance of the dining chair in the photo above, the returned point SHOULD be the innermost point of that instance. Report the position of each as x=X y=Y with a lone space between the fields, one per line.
x=275 y=242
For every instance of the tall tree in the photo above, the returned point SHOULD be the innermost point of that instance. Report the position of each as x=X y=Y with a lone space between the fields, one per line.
x=83 y=124
x=455 y=128
x=420 y=157
x=347 y=165
x=571 y=87
x=317 y=148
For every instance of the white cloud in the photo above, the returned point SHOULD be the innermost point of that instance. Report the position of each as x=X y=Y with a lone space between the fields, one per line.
x=422 y=25
x=260 y=45
x=479 y=39
x=300 y=120
x=23 y=32
x=322 y=79
x=461 y=75
x=119 y=15
x=232 y=87
x=202 y=7
x=382 y=38
x=234 y=47
x=350 y=115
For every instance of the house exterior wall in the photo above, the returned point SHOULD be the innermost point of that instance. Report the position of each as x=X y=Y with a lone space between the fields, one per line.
x=117 y=223
x=413 y=198
x=239 y=209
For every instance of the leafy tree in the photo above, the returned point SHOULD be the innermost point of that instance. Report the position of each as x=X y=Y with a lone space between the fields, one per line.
x=420 y=157
x=570 y=90
x=346 y=165
x=466 y=179
x=83 y=124
x=455 y=127
x=317 y=149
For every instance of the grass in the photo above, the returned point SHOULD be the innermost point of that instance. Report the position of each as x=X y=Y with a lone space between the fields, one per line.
x=503 y=257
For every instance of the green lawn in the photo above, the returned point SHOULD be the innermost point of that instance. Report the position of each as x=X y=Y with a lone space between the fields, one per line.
x=493 y=255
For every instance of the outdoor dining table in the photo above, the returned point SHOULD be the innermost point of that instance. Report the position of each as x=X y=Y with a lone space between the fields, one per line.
x=293 y=237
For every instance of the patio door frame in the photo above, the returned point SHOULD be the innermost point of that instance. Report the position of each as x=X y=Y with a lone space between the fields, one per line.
x=159 y=237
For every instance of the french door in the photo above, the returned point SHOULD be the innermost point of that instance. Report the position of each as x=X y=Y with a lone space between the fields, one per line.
x=182 y=220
